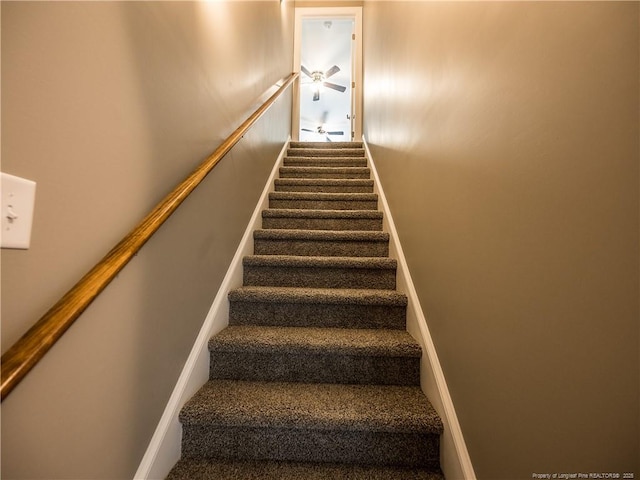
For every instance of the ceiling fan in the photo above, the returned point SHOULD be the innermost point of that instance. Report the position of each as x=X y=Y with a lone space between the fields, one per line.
x=321 y=131
x=318 y=78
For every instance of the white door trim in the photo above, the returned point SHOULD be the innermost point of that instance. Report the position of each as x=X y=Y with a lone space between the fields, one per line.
x=334 y=12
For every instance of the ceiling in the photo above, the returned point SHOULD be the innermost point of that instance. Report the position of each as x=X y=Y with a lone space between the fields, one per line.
x=326 y=42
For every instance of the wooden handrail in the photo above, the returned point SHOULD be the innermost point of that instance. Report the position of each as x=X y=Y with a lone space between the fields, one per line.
x=33 y=345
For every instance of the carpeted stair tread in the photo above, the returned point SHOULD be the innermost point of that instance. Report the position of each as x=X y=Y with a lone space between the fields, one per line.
x=325 y=172
x=326 y=156
x=308 y=219
x=324 y=185
x=208 y=469
x=319 y=272
x=324 y=182
x=318 y=161
x=337 y=296
x=317 y=307
x=320 y=196
x=321 y=235
x=338 y=341
x=333 y=243
x=321 y=200
x=372 y=263
x=309 y=213
x=325 y=152
x=373 y=408
x=315 y=355
x=327 y=145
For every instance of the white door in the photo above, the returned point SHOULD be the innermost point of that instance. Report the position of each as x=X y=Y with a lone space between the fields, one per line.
x=328 y=55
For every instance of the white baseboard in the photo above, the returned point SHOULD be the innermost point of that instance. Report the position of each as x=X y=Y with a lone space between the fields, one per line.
x=454 y=457
x=164 y=448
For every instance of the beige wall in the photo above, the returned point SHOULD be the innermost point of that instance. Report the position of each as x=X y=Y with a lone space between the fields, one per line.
x=506 y=135
x=107 y=105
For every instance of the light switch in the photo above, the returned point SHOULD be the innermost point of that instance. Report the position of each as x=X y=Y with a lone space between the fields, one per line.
x=18 y=200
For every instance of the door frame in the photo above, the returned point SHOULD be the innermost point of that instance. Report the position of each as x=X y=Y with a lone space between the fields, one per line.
x=330 y=12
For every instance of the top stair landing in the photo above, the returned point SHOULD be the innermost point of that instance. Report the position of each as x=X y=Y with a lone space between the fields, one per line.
x=327 y=145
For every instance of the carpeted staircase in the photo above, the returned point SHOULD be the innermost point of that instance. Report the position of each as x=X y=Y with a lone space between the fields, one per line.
x=316 y=376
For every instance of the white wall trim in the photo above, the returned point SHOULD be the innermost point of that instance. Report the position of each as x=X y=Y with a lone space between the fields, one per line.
x=454 y=457
x=164 y=448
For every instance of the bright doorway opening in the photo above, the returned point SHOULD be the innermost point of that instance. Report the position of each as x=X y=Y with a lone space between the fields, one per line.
x=328 y=55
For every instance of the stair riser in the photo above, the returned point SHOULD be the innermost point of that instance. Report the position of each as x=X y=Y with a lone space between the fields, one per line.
x=324 y=162
x=192 y=469
x=324 y=204
x=320 y=277
x=328 y=174
x=303 y=445
x=325 y=152
x=325 y=188
x=314 y=368
x=351 y=224
x=317 y=315
x=321 y=248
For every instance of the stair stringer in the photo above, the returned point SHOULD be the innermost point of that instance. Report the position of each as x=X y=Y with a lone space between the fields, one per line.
x=454 y=457
x=164 y=448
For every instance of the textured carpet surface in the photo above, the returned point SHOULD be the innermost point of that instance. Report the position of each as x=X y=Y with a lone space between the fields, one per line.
x=373 y=263
x=346 y=236
x=324 y=201
x=319 y=296
x=197 y=469
x=380 y=342
x=311 y=445
x=292 y=219
x=321 y=243
x=324 y=152
x=321 y=196
x=316 y=376
x=325 y=172
x=378 y=408
x=324 y=161
x=327 y=185
x=322 y=272
x=327 y=145
x=316 y=355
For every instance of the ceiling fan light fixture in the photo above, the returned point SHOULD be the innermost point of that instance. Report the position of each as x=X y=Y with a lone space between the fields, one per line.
x=318 y=78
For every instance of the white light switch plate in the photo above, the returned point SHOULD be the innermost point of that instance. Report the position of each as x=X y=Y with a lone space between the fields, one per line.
x=18 y=200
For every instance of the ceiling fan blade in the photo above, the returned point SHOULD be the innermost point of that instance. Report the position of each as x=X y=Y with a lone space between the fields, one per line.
x=335 y=133
x=328 y=139
x=307 y=130
x=325 y=114
x=339 y=88
x=332 y=71
x=305 y=71
x=316 y=96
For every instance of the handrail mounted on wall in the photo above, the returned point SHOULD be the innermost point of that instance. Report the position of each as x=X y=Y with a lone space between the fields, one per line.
x=33 y=345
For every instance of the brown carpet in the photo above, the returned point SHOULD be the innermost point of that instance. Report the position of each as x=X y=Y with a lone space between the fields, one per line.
x=316 y=376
